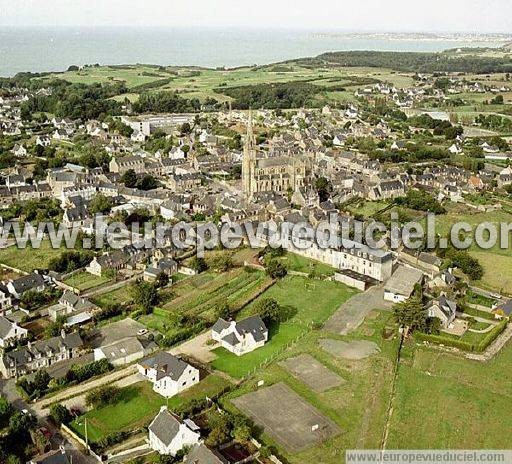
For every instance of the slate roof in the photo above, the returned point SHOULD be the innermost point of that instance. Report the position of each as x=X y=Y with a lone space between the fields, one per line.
x=253 y=325
x=201 y=454
x=165 y=427
x=5 y=327
x=51 y=457
x=28 y=282
x=166 y=365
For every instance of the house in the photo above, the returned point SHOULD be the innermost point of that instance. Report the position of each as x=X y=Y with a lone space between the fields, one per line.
x=10 y=332
x=19 y=150
x=77 y=309
x=125 y=351
x=170 y=375
x=167 y=435
x=132 y=162
x=240 y=337
x=26 y=283
x=41 y=354
x=201 y=454
x=401 y=284
x=503 y=309
x=455 y=149
x=43 y=140
x=164 y=266
x=442 y=309
x=108 y=261
x=5 y=298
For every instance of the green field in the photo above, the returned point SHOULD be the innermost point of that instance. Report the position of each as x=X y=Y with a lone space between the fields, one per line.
x=117 y=296
x=85 y=281
x=202 y=83
x=497 y=262
x=452 y=400
x=297 y=263
x=27 y=259
x=312 y=301
x=138 y=406
x=358 y=406
x=200 y=295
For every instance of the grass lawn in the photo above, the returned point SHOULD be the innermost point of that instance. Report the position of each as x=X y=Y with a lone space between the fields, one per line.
x=238 y=366
x=311 y=301
x=299 y=263
x=84 y=281
x=358 y=406
x=445 y=401
x=27 y=259
x=118 y=296
x=138 y=406
x=496 y=262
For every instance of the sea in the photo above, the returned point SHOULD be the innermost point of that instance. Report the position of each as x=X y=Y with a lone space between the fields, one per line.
x=54 y=49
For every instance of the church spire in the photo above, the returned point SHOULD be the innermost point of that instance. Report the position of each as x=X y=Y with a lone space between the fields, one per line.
x=249 y=159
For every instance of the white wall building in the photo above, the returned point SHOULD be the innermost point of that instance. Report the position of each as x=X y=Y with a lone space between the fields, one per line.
x=167 y=435
x=169 y=374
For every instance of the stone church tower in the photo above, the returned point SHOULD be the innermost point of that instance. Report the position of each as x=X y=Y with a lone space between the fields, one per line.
x=249 y=161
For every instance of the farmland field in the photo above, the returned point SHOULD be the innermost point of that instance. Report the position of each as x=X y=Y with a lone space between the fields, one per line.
x=200 y=295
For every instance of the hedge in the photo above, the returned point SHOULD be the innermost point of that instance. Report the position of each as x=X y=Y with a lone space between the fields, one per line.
x=479 y=313
x=461 y=344
x=492 y=335
x=443 y=340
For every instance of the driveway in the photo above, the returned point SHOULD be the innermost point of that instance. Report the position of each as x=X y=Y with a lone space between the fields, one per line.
x=351 y=314
x=197 y=348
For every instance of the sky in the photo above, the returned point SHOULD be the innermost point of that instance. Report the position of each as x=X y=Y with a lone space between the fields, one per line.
x=355 y=15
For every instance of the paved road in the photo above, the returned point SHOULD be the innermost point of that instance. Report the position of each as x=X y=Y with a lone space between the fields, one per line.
x=351 y=314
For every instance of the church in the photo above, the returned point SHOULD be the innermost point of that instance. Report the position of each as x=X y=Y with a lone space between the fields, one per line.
x=281 y=174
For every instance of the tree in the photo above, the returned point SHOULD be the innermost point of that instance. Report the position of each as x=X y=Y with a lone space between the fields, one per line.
x=198 y=264
x=241 y=433
x=103 y=396
x=269 y=310
x=20 y=423
x=148 y=182
x=60 y=414
x=411 y=314
x=5 y=411
x=144 y=294
x=129 y=179
x=276 y=269
x=162 y=279
x=323 y=188
x=222 y=262
x=100 y=204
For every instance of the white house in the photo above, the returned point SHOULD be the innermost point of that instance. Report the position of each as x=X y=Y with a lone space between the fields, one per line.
x=19 y=150
x=169 y=374
x=240 y=337
x=10 y=332
x=455 y=149
x=167 y=435
x=401 y=284
x=442 y=309
x=43 y=140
